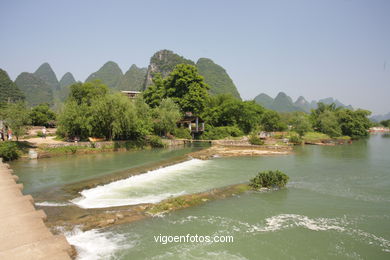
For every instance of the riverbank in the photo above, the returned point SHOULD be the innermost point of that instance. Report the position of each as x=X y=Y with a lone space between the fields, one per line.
x=23 y=234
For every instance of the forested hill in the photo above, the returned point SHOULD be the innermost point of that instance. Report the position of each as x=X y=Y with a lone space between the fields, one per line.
x=8 y=89
x=35 y=89
x=42 y=86
x=284 y=103
x=214 y=75
x=46 y=73
x=163 y=62
x=109 y=74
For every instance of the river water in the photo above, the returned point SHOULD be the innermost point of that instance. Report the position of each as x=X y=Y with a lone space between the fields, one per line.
x=336 y=206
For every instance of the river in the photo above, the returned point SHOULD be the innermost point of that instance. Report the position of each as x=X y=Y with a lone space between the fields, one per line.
x=336 y=205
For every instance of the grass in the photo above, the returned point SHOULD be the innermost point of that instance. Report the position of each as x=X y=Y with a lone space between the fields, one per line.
x=315 y=136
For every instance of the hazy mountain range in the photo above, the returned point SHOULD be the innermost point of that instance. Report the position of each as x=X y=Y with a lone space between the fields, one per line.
x=284 y=103
x=378 y=118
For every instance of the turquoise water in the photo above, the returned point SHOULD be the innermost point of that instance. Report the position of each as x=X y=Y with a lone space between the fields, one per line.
x=37 y=175
x=336 y=206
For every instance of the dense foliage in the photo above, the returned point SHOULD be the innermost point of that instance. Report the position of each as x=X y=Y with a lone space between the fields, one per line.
x=300 y=123
x=225 y=110
x=271 y=121
x=335 y=121
x=16 y=117
x=42 y=115
x=183 y=85
x=165 y=117
x=91 y=111
x=269 y=179
x=9 y=151
x=221 y=132
x=385 y=123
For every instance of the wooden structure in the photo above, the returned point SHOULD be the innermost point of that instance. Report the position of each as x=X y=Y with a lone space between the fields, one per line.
x=130 y=93
x=194 y=123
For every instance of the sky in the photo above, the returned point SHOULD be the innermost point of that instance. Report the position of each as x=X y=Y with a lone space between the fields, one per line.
x=312 y=48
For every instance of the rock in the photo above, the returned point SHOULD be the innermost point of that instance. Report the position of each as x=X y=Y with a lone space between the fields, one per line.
x=110 y=221
x=119 y=216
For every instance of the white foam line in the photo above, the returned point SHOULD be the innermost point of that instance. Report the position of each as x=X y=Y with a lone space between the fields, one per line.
x=118 y=193
x=94 y=244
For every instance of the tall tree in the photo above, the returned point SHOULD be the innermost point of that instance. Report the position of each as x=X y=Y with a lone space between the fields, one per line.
x=165 y=117
x=16 y=117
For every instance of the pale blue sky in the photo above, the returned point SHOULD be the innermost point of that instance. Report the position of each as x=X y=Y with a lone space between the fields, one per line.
x=311 y=48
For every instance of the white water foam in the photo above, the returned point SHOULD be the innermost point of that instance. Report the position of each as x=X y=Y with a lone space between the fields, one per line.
x=130 y=191
x=287 y=221
x=52 y=204
x=94 y=244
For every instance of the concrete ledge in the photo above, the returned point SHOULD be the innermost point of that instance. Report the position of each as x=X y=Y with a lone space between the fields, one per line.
x=23 y=234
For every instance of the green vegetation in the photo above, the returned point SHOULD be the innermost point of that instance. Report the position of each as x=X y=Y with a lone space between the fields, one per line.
x=133 y=79
x=66 y=81
x=315 y=137
x=91 y=111
x=222 y=132
x=42 y=115
x=385 y=123
x=16 y=117
x=336 y=122
x=9 y=92
x=271 y=121
x=295 y=139
x=109 y=74
x=300 y=123
x=269 y=179
x=225 y=110
x=216 y=77
x=283 y=103
x=155 y=141
x=46 y=73
x=163 y=62
x=165 y=117
x=184 y=86
x=9 y=151
x=35 y=89
x=264 y=100
x=255 y=140
x=182 y=133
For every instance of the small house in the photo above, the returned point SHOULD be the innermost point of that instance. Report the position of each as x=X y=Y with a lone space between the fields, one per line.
x=194 y=123
x=130 y=93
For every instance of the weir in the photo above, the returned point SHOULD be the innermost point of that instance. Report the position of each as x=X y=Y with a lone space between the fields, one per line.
x=23 y=233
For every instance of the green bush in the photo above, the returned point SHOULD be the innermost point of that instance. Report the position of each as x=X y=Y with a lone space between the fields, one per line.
x=155 y=141
x=255 y=140
x=295 y=139
x=39 y=134
x=221 y=132
x=182 y=133
x=269 y=179
x=9 y=151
